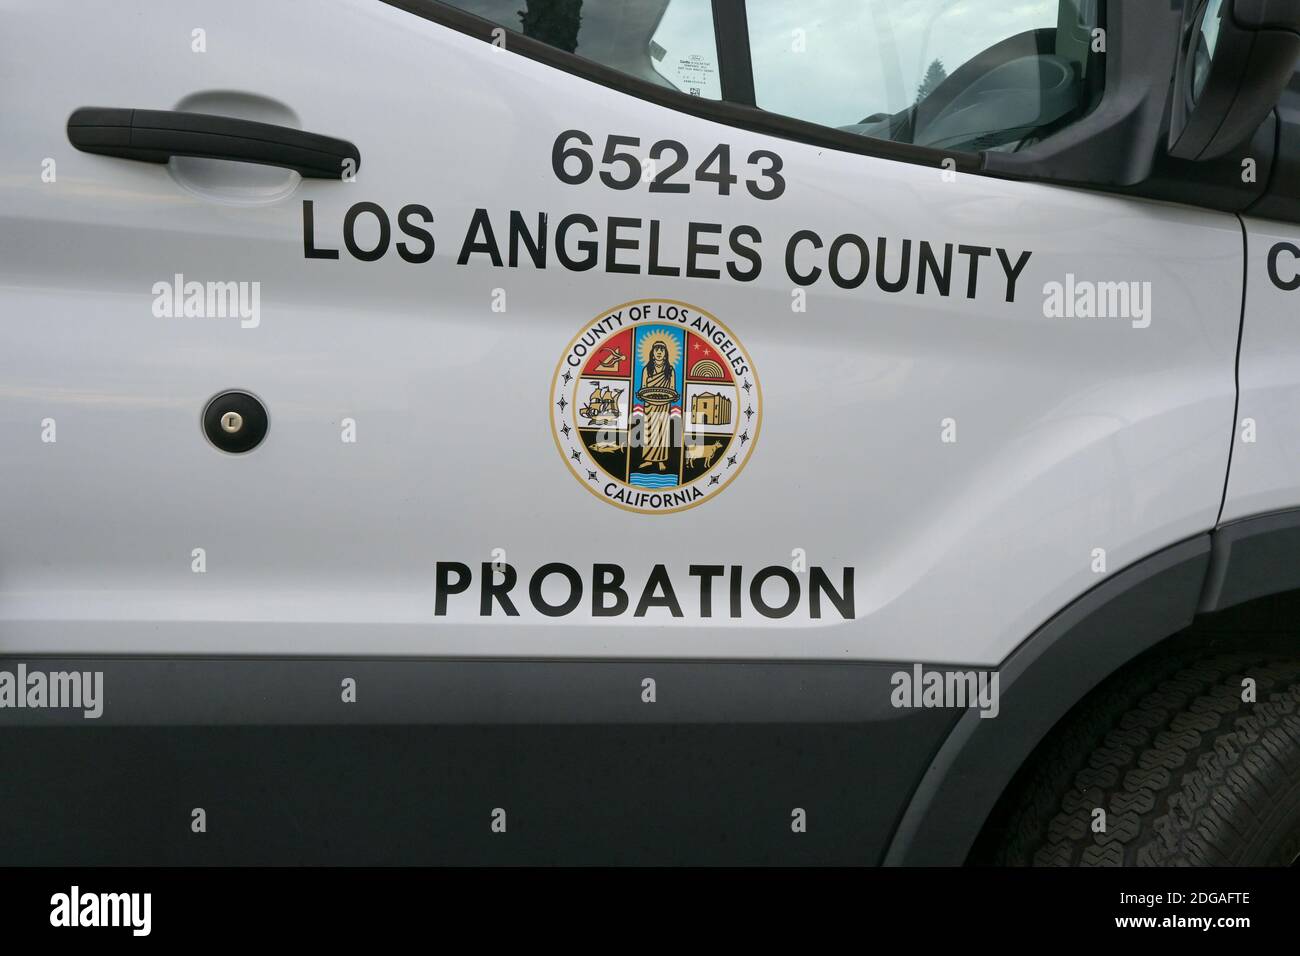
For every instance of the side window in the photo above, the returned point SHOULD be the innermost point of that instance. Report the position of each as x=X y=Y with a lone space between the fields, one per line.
x=668 y=42
x=966 y=75
x=949 y=74
x=1206 y=44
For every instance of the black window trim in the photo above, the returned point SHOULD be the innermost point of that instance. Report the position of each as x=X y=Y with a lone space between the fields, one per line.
x=731 y=38
x=735 y=71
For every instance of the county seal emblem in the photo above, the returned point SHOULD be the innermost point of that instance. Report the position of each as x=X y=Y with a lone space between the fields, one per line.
x=655 y=406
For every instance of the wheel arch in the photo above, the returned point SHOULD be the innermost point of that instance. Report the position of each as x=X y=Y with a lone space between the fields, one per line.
x=1052 y=670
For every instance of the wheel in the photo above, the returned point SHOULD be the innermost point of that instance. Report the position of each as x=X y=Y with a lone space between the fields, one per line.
x=1186 y=771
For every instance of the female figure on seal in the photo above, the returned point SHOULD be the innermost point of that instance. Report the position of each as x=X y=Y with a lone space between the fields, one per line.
x=658 y=374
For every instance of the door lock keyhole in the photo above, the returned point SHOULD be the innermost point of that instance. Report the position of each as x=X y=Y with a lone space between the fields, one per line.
x=235 y=421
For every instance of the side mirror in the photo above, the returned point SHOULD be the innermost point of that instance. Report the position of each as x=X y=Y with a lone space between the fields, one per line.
x=1235 y=59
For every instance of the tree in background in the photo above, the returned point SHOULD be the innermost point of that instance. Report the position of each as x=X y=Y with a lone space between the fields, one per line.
x=935 y=75
x=553 y=22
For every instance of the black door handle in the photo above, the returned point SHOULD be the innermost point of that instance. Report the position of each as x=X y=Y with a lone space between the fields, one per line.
x=155 y=136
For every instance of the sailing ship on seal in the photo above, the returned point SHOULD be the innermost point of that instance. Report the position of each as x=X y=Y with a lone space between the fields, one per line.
x=602 y=406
